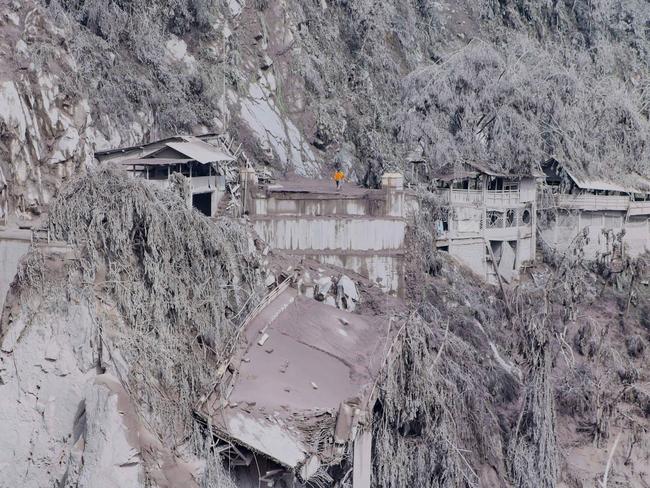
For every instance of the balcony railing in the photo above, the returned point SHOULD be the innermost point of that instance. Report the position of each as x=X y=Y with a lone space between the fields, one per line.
x=199 y=184
x=507 y=198
x=594 y=202
x=639 y=208
x=491 y=198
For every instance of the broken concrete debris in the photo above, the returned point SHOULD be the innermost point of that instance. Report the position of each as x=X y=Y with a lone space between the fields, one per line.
x=326 y=381
x=263 y=339
x=338 y=292
x=323 y=286
x=346 y=293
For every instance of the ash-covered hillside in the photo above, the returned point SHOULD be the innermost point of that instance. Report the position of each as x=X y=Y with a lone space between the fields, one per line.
x=119 y=320
x=507 y=83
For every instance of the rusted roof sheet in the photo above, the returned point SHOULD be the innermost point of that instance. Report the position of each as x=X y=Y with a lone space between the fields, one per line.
x=200 y=151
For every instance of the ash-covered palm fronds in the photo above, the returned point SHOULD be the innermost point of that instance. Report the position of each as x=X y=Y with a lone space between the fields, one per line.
x=180 y=282
x=435 y=422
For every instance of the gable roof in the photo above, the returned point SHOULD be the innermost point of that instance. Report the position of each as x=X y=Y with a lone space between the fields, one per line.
x=153 y=161
x=195 y=148
x=200 y=151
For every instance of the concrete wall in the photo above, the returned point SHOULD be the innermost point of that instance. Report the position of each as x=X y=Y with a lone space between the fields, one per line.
x=525 y=250
x=470 y=252
x=567 y=226
x=637 y=235
x=364 y=232
x=332 y=233
x=385 y=270
x=314 y=206
x=11 y=252
x=527 y=190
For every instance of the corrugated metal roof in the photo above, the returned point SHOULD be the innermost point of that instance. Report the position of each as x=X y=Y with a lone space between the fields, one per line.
x=468 y=169
x=200 y=151
x=153 y=161
x=107 y=152
x=596 y=184
x=584 y=182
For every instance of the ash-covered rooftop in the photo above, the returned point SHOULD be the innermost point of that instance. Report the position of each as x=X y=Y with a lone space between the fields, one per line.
x=299 y=361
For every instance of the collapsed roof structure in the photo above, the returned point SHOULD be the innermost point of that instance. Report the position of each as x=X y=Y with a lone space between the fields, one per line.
x=295 y=400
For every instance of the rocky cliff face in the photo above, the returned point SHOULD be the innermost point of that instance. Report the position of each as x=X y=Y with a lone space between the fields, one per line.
x=44 y=124
x=68 y=419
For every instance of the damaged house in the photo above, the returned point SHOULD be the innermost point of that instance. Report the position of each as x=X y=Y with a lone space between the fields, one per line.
x=356 y=228
x=293 y=406
x=615 y=218
x=199 y=158
x=488 y=220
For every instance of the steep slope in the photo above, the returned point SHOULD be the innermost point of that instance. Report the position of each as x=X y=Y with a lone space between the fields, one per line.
x=548 y=395
x=507 y=83
x=44 y=121
x=107 y=344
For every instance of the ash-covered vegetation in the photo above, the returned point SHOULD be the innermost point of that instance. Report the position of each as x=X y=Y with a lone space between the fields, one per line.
x=494 y=389
x=508 y=83
x=513 y=110
x=182 y=286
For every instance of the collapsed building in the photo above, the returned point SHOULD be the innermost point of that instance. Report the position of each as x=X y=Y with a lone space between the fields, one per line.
x=356 y=228
x=614 y=218
x=488 y=219
x=201 y=159
x=293 y=405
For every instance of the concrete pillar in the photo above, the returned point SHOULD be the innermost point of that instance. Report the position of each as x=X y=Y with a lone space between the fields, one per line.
x=362 y=470
x=216 y=197
x=248 y=180
x=393 y=183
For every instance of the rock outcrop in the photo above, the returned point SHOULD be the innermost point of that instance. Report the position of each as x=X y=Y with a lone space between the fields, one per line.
x=44 y=123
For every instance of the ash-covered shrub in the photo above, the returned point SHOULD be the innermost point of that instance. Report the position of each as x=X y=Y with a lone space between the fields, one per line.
x=635 y=346
x=629 y=375
x=583 y=340
x=434 y=381
x=181 y=283
x=644 y=315
x=575 y=392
